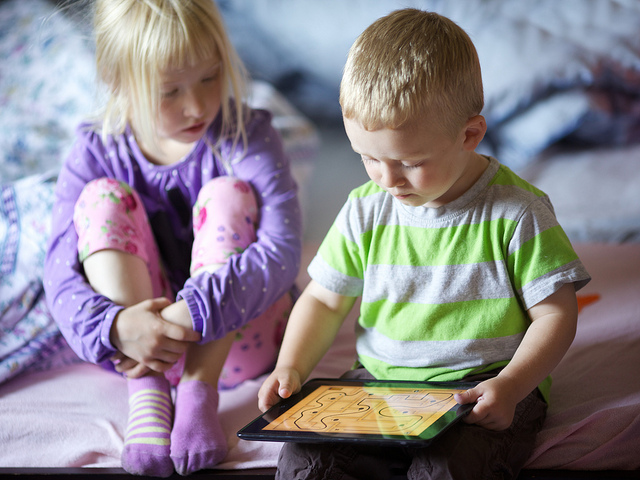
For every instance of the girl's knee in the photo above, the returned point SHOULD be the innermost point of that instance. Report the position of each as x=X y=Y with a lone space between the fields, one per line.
x=225 y=188
x=227 y=200
x=110 y=215
x=224 y=221
x=108 y=195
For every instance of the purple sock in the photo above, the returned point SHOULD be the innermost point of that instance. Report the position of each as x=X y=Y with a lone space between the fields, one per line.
x=197 y=438
x=147 y=444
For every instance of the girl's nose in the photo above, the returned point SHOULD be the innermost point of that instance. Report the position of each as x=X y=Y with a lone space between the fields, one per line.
x=193 y=105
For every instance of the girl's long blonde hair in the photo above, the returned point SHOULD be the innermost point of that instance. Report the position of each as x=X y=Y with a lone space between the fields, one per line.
x=136 y=39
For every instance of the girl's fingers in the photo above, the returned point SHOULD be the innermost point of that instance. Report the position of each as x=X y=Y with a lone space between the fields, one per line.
x=138 y=371
x=181 y=334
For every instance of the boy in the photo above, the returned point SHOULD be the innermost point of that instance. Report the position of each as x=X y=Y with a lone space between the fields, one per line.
x=463 y=270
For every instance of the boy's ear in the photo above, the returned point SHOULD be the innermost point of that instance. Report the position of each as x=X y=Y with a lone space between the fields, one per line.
x=474 y=131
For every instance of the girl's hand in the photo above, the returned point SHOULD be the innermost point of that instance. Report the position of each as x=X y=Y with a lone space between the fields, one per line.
x=142 y=335
x=282 y=383
x=129 y=367
x=495 y=405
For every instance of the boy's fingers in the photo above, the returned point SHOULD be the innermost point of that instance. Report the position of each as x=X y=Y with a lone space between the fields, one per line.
x=268 y=393
x=265 y=404
x=465 y=397
x=265 y=400
x=285 y=390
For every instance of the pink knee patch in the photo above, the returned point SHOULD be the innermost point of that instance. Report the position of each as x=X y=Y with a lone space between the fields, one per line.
x=109 y=215
x=224 y=221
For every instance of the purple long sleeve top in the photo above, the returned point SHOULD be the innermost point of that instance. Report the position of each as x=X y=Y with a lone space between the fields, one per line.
x=218 y=303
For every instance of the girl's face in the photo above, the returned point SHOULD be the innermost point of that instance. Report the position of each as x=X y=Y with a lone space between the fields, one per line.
x=190 y=100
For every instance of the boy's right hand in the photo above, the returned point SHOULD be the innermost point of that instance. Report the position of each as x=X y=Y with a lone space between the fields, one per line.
x=282 y=383
x=140 y=333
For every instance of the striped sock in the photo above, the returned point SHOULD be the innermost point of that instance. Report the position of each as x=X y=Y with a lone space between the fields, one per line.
x=147 y=444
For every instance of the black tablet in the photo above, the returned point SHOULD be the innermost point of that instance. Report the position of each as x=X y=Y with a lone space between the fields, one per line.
x=373 y=411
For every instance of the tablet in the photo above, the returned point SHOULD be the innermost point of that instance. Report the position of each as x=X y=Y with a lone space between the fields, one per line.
x=368 y=411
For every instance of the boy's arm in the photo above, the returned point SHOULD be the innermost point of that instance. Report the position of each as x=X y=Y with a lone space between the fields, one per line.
x=312 y=327
x=546 y=341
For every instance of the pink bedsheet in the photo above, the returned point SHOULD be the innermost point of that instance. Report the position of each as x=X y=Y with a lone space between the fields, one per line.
x=594 y=416
x=75 y=416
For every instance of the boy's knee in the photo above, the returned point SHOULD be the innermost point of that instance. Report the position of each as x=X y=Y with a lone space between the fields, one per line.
x=318 y=460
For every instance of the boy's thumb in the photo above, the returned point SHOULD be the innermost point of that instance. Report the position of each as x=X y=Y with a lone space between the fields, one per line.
x=468 y=396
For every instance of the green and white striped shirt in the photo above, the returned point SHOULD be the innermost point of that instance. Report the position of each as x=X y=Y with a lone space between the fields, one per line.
x=445 y=291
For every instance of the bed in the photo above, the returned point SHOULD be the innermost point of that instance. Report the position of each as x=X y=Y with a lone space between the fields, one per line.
x=60 y=417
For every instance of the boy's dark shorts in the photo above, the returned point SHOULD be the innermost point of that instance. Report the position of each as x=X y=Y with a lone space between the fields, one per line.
x=464 y=452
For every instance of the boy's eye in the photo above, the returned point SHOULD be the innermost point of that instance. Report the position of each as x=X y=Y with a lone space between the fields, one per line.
x=415 y=165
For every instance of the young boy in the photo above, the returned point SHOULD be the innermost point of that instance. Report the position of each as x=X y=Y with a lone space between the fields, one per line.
x=463 y=270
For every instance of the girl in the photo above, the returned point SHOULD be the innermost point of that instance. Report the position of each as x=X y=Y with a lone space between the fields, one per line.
x=176 y=230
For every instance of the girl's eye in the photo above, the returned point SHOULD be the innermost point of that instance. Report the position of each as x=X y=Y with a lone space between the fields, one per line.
x=170 y=93
x=367 y=159
x=210 y=78
x=212 y=75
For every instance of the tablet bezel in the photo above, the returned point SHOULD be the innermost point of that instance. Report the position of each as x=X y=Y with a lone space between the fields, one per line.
x=255 y=429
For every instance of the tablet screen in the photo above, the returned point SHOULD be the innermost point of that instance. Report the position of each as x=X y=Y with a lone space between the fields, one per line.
x=362 y=410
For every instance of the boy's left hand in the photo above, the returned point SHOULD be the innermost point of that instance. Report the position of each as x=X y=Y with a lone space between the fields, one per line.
x=495 y=404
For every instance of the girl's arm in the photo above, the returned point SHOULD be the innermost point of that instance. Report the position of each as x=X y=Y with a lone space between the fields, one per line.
x=546 y=341
x=83 y=316
x=312 y=328
x=251 y=282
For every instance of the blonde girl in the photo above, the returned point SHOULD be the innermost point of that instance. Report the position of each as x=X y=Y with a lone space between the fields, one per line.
x=176 y=235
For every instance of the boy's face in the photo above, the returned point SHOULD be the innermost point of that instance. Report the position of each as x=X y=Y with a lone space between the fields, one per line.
x=417 y=164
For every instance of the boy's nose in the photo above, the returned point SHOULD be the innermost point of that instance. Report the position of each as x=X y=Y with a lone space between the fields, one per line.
x=391 y=177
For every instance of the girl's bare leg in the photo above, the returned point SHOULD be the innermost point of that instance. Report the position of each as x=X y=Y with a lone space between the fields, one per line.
x=197 y=438
x=124 y=278
x=120 y=276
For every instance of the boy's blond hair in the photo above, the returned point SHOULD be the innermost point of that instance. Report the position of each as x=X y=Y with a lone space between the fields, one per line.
x=412 y=65
x=137 y=39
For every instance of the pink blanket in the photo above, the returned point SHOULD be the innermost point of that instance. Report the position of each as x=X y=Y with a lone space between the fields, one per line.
x=594 y=416
x=75 y=416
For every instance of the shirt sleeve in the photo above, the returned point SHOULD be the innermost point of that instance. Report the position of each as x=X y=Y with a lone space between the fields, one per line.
x=251 y=282
x=541 y=258
x=338 y=265
x=83 y=316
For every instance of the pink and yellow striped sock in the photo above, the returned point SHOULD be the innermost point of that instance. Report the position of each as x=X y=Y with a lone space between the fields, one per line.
x=147 y=444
